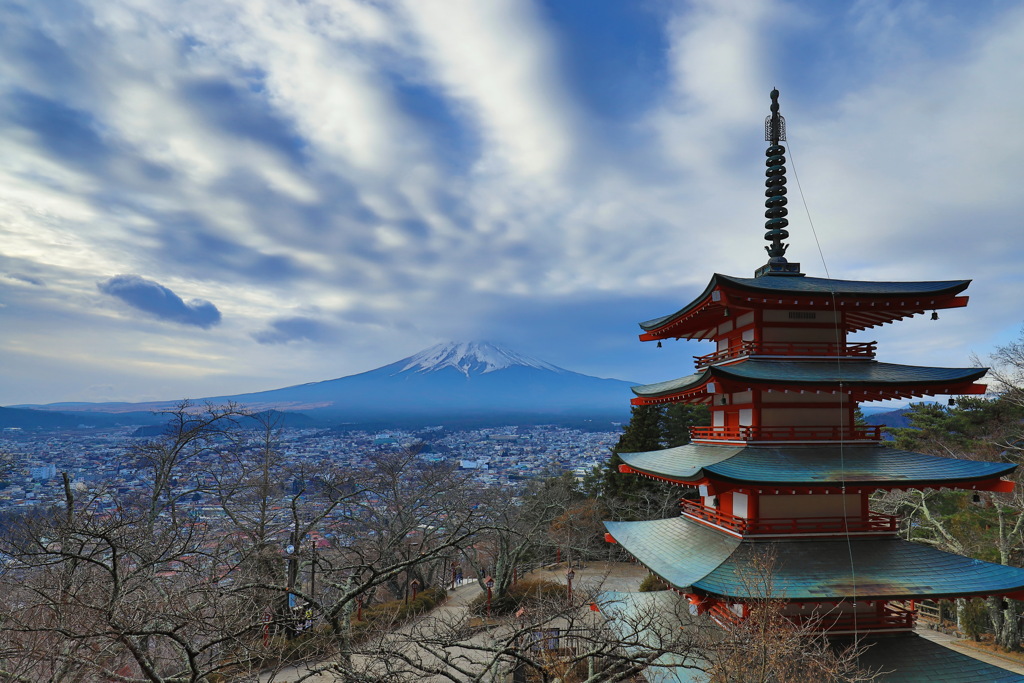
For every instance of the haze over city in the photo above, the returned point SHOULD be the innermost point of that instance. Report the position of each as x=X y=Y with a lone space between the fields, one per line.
x=204 y=199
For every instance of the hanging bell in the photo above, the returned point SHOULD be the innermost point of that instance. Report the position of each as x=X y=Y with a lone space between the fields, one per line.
x=659 y=345
x=935 y=315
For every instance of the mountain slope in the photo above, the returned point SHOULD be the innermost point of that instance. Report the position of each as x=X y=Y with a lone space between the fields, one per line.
x=466 y=379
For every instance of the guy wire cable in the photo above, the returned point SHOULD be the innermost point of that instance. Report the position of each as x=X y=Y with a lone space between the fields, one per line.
x=839 y=369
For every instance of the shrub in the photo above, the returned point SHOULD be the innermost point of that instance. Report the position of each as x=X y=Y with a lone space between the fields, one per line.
x=652 y=583
x=523 y=594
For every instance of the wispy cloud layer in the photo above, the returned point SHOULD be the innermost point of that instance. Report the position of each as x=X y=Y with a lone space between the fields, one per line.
x=352 y=181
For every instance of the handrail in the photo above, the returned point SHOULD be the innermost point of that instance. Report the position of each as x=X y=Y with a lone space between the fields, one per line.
x=788 y=433
x=760 y=348
x=875 y=522
x=831 y=622
x=845 y=622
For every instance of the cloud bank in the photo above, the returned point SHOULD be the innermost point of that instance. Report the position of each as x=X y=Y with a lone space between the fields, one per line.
x=159 y=301
x=354 y=181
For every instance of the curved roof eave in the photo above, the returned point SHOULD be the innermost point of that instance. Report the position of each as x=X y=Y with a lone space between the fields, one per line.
x=814 y=285
x=796 y=373
x=818 y=465
x=691 y=556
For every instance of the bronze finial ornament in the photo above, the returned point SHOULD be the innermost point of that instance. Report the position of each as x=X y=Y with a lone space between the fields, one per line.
x=774 y=131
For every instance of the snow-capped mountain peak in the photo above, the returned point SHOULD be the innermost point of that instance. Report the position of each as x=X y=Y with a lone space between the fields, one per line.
x=471 y=358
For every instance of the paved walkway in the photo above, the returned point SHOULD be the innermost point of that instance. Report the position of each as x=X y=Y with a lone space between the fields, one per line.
x=620 y=576
x=958 y=644
x=609 y=576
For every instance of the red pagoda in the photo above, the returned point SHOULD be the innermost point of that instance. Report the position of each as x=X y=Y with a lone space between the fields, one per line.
x=784 y=467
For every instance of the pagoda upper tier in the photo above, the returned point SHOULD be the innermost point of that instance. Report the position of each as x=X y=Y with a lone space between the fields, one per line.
x=860 y=305
x=862 y=380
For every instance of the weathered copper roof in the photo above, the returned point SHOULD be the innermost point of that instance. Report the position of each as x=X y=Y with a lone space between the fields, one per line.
x=817 y=286
x=794 y=373
x=649 y=623
x=691 y=556
x=910 y=658
x=811 y=465
x=649 y=620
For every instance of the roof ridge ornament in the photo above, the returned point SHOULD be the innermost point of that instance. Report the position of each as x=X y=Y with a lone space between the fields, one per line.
x=774 y=132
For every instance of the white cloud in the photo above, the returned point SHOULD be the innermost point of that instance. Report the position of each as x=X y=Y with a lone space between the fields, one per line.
x=498 y=60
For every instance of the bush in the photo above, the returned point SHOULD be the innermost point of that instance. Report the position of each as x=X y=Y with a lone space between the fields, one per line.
x=523 y=594
x=974 y=618
x=652 y=583
x=397 y=611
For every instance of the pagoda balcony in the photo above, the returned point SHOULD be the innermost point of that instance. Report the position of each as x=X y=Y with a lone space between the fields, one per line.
x=817 y=350
x=874 y=523
x=796 y=434
x=891 y=619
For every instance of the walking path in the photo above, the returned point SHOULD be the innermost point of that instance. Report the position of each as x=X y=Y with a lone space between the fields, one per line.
x=609 y=576
x=626 y=577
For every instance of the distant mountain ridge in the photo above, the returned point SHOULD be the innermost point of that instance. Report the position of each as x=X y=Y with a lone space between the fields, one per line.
x=455 y=379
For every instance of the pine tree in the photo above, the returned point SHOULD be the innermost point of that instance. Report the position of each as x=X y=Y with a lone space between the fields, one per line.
x=650 y=428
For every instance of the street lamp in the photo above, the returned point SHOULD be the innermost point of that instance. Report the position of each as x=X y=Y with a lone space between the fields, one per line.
x=570 y=575
x=489 y=582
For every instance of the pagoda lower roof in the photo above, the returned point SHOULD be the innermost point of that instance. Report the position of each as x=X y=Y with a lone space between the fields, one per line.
x=649 y=621
x=802 y=374
x=693 y=557
x=813 y=465
x=910 y=658
x=904 y=299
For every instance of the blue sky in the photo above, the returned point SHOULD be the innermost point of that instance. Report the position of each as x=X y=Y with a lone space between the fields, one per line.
x=201 y=198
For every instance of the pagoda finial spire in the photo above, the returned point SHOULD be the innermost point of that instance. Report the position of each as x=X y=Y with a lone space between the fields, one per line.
x=774 y=132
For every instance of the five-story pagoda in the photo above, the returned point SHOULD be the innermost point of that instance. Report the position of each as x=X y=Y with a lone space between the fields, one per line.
x=784 y=467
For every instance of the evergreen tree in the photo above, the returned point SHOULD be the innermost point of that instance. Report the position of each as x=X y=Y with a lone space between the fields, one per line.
x=650 y=428
x=677 y=418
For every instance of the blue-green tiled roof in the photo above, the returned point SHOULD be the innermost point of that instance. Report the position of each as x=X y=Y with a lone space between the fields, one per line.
x=689 y=555
x=909 y=658
x=820 y=285
x=810 y=465
x=800 y=373
x=675 y=549
x=648 y=623
x=816 y=285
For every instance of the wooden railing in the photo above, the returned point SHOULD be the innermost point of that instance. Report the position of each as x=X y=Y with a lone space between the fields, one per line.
x=794 y=433
x=891 y=618
x=789 y=349
x=875 y=522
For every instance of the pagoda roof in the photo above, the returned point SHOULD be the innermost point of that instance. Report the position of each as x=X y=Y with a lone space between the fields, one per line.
x=651 y=622
x=897 y=380
x=910 y=298
x=694 y=557
x=910 y=658
x=647 y=621
x=817 y=465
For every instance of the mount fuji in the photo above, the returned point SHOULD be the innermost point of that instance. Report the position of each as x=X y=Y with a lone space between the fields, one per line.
x=463 y=381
